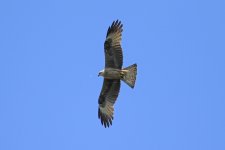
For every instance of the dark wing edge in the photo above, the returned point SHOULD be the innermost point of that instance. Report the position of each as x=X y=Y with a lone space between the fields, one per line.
x=109 y=93
x=112 y=46
x=115 y=27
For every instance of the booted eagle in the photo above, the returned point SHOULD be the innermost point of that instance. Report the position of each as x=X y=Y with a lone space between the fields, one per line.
x=113 y=73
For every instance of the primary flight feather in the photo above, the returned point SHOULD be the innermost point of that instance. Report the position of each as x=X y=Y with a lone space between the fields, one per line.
x=113 y=73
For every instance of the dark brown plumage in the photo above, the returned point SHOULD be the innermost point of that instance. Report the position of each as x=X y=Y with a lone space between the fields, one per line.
x=112 y=46
x=113 y=73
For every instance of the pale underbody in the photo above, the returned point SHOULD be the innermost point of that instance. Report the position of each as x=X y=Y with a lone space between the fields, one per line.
x=112 y=73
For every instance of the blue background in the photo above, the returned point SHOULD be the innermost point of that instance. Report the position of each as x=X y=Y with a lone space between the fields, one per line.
x=51 y=53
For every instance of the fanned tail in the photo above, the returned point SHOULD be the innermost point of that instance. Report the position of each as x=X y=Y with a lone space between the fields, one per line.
x=129 y=76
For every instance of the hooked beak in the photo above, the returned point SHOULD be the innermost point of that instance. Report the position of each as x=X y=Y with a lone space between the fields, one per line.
x=100 y=73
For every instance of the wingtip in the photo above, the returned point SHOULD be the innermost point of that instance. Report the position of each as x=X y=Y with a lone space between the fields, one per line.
x=116 y=26
x=106 y=121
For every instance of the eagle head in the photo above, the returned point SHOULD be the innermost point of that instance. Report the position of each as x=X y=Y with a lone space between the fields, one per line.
x=101 y=73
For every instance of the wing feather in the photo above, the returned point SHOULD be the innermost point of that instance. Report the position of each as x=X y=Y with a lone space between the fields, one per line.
x=109 y=93
x=112 y=46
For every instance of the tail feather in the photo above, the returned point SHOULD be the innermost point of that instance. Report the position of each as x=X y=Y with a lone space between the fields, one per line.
x=130 y=75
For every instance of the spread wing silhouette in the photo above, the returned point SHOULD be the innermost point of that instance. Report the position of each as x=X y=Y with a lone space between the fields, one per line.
x=111 y=87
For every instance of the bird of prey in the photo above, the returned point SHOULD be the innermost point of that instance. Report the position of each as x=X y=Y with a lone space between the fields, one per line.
x=113 y=73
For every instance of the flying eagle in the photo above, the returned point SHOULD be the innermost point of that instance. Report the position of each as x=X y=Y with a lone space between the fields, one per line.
x=113 y=73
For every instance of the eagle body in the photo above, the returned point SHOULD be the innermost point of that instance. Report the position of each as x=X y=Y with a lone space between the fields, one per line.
x=113 y=73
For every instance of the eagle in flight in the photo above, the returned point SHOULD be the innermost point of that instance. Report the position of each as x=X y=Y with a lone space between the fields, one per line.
x=113 y=73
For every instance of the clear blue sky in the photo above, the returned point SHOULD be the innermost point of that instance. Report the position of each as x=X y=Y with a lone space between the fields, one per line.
x=50 y=55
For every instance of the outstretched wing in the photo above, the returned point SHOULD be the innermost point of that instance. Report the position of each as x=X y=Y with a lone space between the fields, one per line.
x=107 y=98
x=112 y=46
